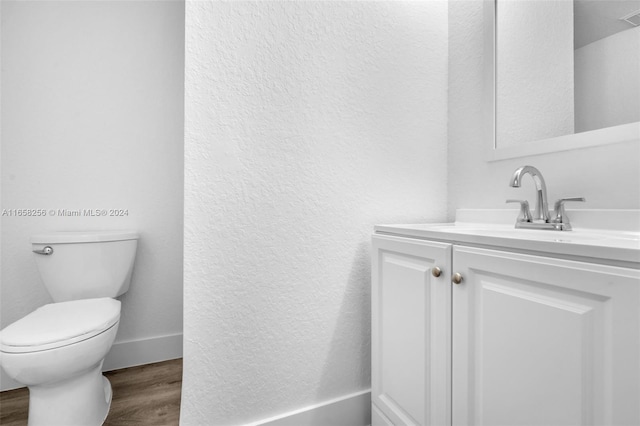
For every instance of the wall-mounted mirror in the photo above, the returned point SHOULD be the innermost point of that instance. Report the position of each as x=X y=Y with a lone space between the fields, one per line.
x=566 y=74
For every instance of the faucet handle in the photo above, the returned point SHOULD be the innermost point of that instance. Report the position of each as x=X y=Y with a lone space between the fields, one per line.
x=525 y=213
x=560 y=215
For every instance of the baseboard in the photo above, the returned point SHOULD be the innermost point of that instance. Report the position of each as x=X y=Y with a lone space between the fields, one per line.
x=349 y=410
x=127 y=354
x=143 y=351
x=378 y=418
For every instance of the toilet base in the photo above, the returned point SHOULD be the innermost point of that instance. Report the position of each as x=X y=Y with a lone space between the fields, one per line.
x=82 y=400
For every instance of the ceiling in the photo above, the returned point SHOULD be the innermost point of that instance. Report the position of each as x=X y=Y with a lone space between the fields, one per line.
x=596 y=19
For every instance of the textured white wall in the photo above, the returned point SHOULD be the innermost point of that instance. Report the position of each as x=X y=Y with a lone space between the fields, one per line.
x=608 y=81
x=92 y=117
x=608 y=176
x=306 y=124
x=534 y=70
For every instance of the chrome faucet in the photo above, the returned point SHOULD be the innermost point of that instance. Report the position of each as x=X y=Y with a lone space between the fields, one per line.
x=541 y=219
x=541 y=213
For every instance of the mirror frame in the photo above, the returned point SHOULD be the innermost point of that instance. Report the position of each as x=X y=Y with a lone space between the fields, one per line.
x=606 y=136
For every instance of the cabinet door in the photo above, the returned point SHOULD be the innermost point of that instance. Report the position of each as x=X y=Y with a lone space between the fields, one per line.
x=540 y=341
x=411 y=331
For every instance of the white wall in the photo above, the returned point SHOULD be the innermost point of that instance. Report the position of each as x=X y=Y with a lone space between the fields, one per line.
x=92 y=118
x=306 y=124
x=608 y=81
x=608 y=176
x=534 y=70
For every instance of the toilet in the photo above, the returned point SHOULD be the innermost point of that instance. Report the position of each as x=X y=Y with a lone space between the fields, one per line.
x=58 y=350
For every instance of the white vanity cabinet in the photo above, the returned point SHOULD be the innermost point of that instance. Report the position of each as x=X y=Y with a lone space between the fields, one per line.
x=411 y=331
x=524 y=339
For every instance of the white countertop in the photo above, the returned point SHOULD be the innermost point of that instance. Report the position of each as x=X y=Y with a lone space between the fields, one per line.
x=599 y=244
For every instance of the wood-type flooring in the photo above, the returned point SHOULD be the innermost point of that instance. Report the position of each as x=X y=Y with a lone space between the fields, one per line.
x=144 y=395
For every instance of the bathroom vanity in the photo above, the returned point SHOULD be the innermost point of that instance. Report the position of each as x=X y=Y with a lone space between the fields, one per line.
x=482 y=324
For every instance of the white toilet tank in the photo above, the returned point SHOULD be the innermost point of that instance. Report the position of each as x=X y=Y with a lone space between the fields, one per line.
x=85 y=264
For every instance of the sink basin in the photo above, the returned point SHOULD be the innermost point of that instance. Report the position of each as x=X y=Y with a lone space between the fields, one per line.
x=615 y=245
x=506 y=231
x=542 y=235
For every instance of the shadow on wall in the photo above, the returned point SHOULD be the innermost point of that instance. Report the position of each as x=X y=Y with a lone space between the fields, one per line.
x=355 y=309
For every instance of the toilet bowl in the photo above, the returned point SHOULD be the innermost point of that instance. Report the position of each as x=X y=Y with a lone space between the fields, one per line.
x=58 y=349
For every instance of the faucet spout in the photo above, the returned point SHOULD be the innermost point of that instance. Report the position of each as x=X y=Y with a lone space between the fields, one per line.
x=541 y=212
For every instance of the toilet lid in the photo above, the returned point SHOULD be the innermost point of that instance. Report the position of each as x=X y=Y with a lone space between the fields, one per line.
x=60 y=324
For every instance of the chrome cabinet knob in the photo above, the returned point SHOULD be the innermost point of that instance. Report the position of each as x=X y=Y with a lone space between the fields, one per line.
x=436 y=272
x=456 y=278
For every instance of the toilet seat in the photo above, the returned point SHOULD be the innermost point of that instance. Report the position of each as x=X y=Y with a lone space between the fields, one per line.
x=60 y=324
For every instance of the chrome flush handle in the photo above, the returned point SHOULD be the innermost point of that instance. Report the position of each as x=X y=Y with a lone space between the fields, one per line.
x=48 y=250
